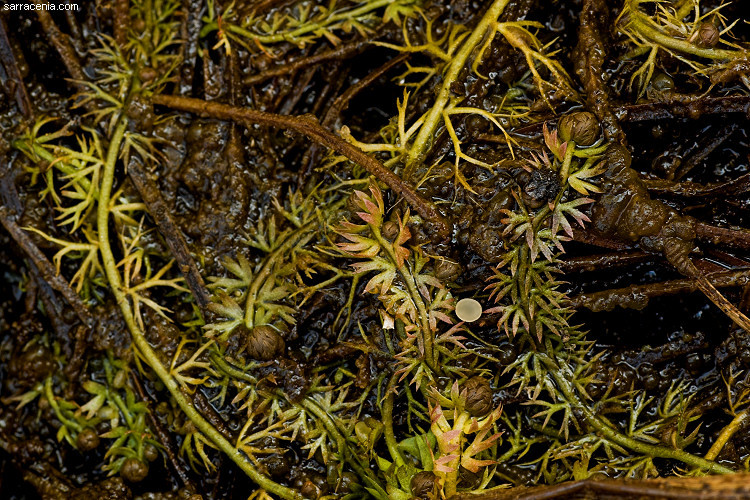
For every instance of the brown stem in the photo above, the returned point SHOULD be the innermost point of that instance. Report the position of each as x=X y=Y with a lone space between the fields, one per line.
x=74 y=28
x=287 y=101
x=719 y=300
x=678 y=106
x=603 y=261
x=45 y=267
x=589 y=56
x=692 y=106
x=589 y=237
x=732 y=238
x=75 y=363
x=734 y=187
x=637 y=296
x=705 y=148
x=310 y=128
x=60 y=41
x=682 y=488
x=121 y=21
x=338 y=106
x=52 y=307
x=209 y=412
x=14 y=81
x=163 y=436
x=344 y=51
x=342 y=101
x=174 y=238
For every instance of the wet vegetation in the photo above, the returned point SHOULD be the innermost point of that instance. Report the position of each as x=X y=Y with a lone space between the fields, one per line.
x=235 y=234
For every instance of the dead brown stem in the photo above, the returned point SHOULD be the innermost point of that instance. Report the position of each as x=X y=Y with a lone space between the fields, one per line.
x=340 y=104
x=733 y=486
x=342 y=101
x=589 y=56
x=14 y=81
x=692 y=106
x=174 y=238
x=342 y=52
x=732 y=238
x=679 y=106
x=637 y=296
x=309 y=127
x=45 y=267
x=603 y=261
x=734 y=187
x=705 y=148
x=587 y=236
x=163 y=436
x=60 y=41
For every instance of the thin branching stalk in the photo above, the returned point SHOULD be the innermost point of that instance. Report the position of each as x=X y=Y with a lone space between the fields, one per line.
x=645 y=26
x=308 y=28
x=726 y=434
x=390 y=438
x=115 y=281
x=267 y=269
x=46 y=268
x=458 y=63
x=563 y=377
x=309 y=405
x=310 y=128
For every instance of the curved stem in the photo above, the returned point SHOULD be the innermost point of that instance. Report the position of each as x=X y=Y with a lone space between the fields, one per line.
x=310 y=128
x=52 y=399
x=308 y=27
x=458 y=63
x=428 y=342
x=390 y=438
x=643 y=25
x=260 y=278
x=565 y=169
x=563 y=381
x=589 y=152
x=139 y=340
x=677 y=253
x=726 y=434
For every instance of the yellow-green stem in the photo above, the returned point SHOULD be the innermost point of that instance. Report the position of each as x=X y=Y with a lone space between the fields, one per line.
x=139 y=340
x=427 y=335
x=52 y=399
x=451 y=478
x=726 y=434
x=260 y=278
x=646 y=27
x=390 y=438
x=309 y=27
x=565 y=169
x=563 y=380
x=458 y=63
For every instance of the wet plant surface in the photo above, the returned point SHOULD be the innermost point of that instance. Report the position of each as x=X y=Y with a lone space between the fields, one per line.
x=235 y=236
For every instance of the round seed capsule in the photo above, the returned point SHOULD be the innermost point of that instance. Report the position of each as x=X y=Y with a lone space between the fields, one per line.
x=708 y=35
x=468 y=310
x=134 y=470
x=581 y=127
x=87 y=439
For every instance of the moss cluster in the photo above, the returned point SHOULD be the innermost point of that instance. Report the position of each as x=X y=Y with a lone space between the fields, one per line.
x=241 y=231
